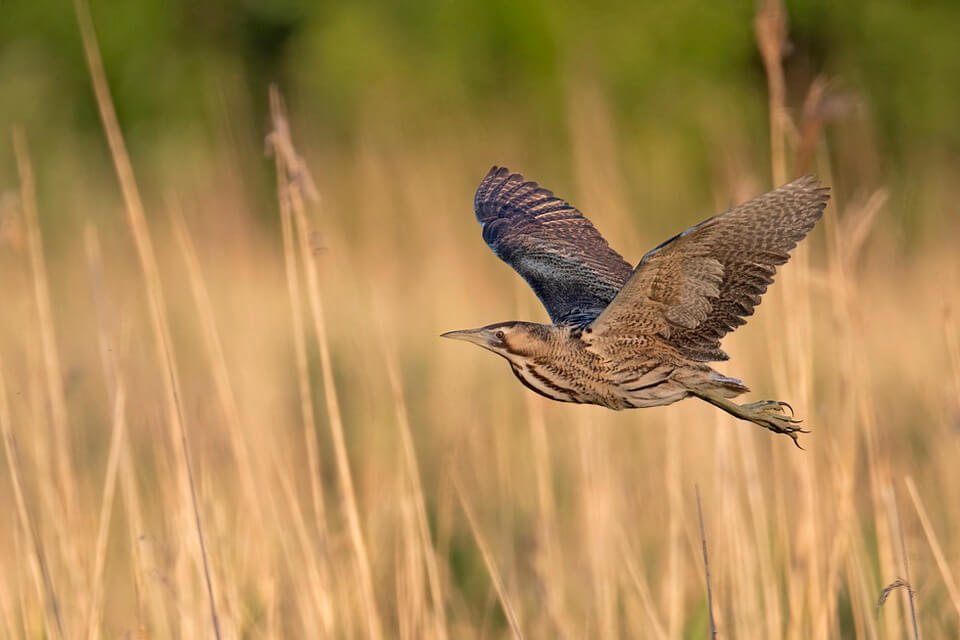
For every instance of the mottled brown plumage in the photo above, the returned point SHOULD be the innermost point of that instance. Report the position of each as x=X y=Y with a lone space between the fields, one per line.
x=625 y=338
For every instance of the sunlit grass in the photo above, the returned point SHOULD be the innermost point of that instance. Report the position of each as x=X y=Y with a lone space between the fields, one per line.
x=356 y=476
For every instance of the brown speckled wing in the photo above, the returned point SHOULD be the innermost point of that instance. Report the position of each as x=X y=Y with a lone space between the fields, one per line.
x=558 y=252
x=699 y=285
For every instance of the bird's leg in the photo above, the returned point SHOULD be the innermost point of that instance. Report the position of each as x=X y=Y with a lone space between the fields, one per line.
x=769 y=414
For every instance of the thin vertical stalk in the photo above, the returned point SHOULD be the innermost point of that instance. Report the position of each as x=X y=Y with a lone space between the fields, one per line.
x=215 y=353
x=106 y=508
x=935 y=547
x=553 y=572
x=290 y=167
x=141 y=235
x=498 y=585
x=52 y=618
x=416 y=488
x=904 y=562
x=706 y=564
x=307 y=411
x=676 y=573
x=317 y=571
x=51 y=358
x=770 y=28
x=771 y=31
x=110 y=366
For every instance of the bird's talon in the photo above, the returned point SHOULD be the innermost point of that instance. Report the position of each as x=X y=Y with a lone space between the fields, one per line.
x=774 y=415
x=796 y=440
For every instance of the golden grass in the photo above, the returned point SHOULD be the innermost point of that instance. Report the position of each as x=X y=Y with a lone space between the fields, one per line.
x=297 y=454
x=158 y=320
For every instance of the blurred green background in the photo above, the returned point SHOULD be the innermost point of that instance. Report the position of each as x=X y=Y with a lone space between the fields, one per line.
x=415 y=71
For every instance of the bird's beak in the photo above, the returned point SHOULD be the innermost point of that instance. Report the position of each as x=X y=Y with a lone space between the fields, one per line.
x=476 y=336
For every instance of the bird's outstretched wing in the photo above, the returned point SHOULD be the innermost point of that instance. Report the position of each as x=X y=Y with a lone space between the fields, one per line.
x=558 y=252
x=699 y=285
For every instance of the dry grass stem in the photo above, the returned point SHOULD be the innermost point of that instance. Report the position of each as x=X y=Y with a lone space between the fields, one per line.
x=416 y=488
x=706 y=564
x=109 y=355
x=935 y=546
x=770 y=28
x=148 y=263
x=54 y=623
x=106 y=508
x=218 y=360
x=292 y=183
x=307 y=411
x=905 y=563
x=490 y=563
x=53 y=375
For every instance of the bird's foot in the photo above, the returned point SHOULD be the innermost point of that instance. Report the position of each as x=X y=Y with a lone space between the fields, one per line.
x=772 y=415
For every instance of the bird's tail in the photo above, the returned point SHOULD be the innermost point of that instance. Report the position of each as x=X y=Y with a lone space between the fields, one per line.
x=727 y=387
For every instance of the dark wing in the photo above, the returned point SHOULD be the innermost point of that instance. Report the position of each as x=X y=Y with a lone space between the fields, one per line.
x=698 y=286
x=558 y=252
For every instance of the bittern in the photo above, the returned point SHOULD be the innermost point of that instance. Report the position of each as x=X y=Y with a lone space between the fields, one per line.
x=627 y=337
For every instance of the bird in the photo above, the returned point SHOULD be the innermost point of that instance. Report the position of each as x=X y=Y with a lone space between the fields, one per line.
x=627 y=337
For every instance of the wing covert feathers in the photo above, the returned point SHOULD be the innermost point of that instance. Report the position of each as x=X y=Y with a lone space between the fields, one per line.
x=698 y=286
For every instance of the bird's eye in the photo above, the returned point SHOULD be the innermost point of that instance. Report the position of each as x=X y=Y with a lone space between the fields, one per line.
x=499 y=335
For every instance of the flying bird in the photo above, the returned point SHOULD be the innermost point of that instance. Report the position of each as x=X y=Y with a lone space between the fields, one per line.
x=625 y=337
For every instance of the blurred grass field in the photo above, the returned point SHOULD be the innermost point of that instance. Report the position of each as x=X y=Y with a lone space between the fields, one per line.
x=353 y=475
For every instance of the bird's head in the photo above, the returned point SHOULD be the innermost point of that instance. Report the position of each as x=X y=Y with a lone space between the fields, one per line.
x=506 y=338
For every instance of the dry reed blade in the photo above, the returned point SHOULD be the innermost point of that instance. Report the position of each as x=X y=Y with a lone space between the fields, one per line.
x=7 y=614
x=293 y=181
x=797 y=344
x=861 y=590
x=858 y=224
x=215 y=354
x=706 y=564
x=843 y=487
x=416 y=487
x=317 y=570
x=770 y=28
x=106 y=508
x=811 y=125
x=639 y=582
x=51 y=359
x=508 y=610
x=141 y=235
x=307 y=410
x=905 y=562
x=674 y=579
x=553 y=572
x=935 y=547
x=52 y=610
x=597 y=510
x=761 y=525
x=953 y=350
x=110 y=365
